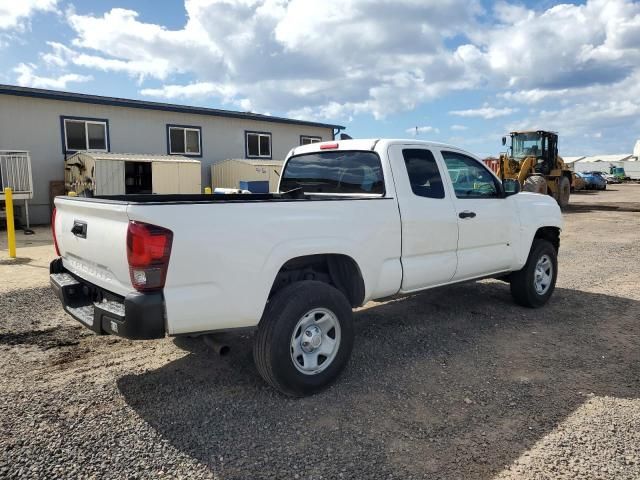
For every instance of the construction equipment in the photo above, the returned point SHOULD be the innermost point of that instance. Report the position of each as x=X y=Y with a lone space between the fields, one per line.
x=533 y=160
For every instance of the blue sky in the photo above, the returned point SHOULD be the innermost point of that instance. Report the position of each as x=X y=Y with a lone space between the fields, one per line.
x=461 y=71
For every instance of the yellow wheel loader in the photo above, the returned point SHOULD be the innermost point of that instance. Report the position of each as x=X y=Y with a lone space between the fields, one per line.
x=533 y=160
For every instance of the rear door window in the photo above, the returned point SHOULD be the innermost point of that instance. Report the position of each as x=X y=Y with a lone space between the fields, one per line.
x=338 y=172
x=423 y=172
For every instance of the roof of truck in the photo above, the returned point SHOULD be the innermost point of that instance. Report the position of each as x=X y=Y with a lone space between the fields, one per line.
x=370 y=144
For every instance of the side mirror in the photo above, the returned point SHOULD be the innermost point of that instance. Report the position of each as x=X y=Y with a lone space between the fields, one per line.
x=510 y=186
x=504 y=141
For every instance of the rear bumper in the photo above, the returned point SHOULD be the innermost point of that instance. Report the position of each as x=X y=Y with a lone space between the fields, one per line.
x=138 y=316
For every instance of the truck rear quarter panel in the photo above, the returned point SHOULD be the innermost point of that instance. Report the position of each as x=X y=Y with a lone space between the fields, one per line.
x=225 y=257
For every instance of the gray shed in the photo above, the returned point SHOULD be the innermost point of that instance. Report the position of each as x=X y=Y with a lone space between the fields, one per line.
x=104 y=173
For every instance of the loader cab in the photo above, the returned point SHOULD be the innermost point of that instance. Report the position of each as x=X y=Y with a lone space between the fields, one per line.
x=541 y=145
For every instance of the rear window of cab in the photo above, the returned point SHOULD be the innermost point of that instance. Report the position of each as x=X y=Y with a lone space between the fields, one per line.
x=337 y=172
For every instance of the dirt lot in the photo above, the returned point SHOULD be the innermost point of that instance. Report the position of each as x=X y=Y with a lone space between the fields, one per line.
x=455 y=383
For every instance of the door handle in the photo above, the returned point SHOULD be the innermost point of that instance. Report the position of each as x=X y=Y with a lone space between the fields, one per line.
x=467 y=214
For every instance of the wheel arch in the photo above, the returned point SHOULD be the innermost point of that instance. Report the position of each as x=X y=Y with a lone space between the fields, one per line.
x=551 y=234
x=336 y=269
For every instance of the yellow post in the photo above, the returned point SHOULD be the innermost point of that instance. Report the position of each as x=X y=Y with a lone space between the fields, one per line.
x=72 y=194
x=207 y=190
x=11 y=231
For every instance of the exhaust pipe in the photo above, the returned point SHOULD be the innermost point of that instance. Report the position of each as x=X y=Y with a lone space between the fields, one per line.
x=217 y=344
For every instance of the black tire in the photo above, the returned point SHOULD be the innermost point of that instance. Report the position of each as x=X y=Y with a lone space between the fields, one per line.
x=272 y=344
x=535 y=184
x=523 y=287
x=564 y=192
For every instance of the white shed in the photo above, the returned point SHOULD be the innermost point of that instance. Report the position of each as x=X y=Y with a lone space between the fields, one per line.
x=632 y=168
x=229 y=173
x=570 y=161
x=601 y=163
x=105 y=173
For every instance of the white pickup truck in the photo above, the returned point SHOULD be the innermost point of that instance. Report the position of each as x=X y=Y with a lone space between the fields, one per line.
x=355 y=220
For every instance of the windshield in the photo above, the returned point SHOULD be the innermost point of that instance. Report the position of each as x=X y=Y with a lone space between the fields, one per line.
x=526 y=145
x=334 y=172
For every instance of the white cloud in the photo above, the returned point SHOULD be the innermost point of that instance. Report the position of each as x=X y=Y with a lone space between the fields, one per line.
x=425 y=129
x=58 y=56
x=485 y=112
x=193 y=90
x=27 y=78
x=14 y=14
x=459 y=127
x=349 y=57
x=591 y=108
x=562 y=47
x=575 y=64
x=535 y=95
x=124 y=44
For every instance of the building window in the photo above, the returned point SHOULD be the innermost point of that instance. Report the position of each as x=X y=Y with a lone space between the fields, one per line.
x=85 y=134
x=258 y=144
x=307 y=139
x=184 y=140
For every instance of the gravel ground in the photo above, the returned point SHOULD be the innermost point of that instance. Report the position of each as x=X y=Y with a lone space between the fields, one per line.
x=448 y=384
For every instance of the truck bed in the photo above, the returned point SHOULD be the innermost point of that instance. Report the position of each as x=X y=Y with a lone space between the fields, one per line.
x=228 y=249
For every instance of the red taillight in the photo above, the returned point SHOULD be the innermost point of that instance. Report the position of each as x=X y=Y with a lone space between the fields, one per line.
x=148 y=252
x=328 y=146
x=53 y=231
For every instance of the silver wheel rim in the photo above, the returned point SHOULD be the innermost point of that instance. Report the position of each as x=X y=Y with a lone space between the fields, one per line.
x=543 y=274
x=315 y=341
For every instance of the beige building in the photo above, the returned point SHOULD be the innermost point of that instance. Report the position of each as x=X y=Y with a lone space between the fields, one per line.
x=53 y=125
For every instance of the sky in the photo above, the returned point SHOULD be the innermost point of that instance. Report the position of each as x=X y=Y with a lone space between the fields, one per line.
x=464 y=72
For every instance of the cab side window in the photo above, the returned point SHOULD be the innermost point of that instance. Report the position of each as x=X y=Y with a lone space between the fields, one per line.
x=423 y=172
x=469 y=177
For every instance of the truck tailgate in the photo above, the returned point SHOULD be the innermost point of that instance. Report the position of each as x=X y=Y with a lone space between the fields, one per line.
x=92 y=239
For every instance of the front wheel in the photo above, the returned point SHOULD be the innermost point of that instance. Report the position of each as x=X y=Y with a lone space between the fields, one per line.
x=304 y=338
x=533 y=285
x=536 y=184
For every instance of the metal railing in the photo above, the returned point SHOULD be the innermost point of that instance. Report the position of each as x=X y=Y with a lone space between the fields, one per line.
x=15 y=173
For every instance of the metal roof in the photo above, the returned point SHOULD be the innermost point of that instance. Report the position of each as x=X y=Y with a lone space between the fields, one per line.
x=134 y=157
x=256 y=161
x=608 y=158
x=572 y=159
x=127 y=102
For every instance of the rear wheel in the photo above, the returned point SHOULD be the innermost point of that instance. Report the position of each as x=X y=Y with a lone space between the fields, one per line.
x=564 y=191
x=536 y=184
x=304 y=338
x=533 y=285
